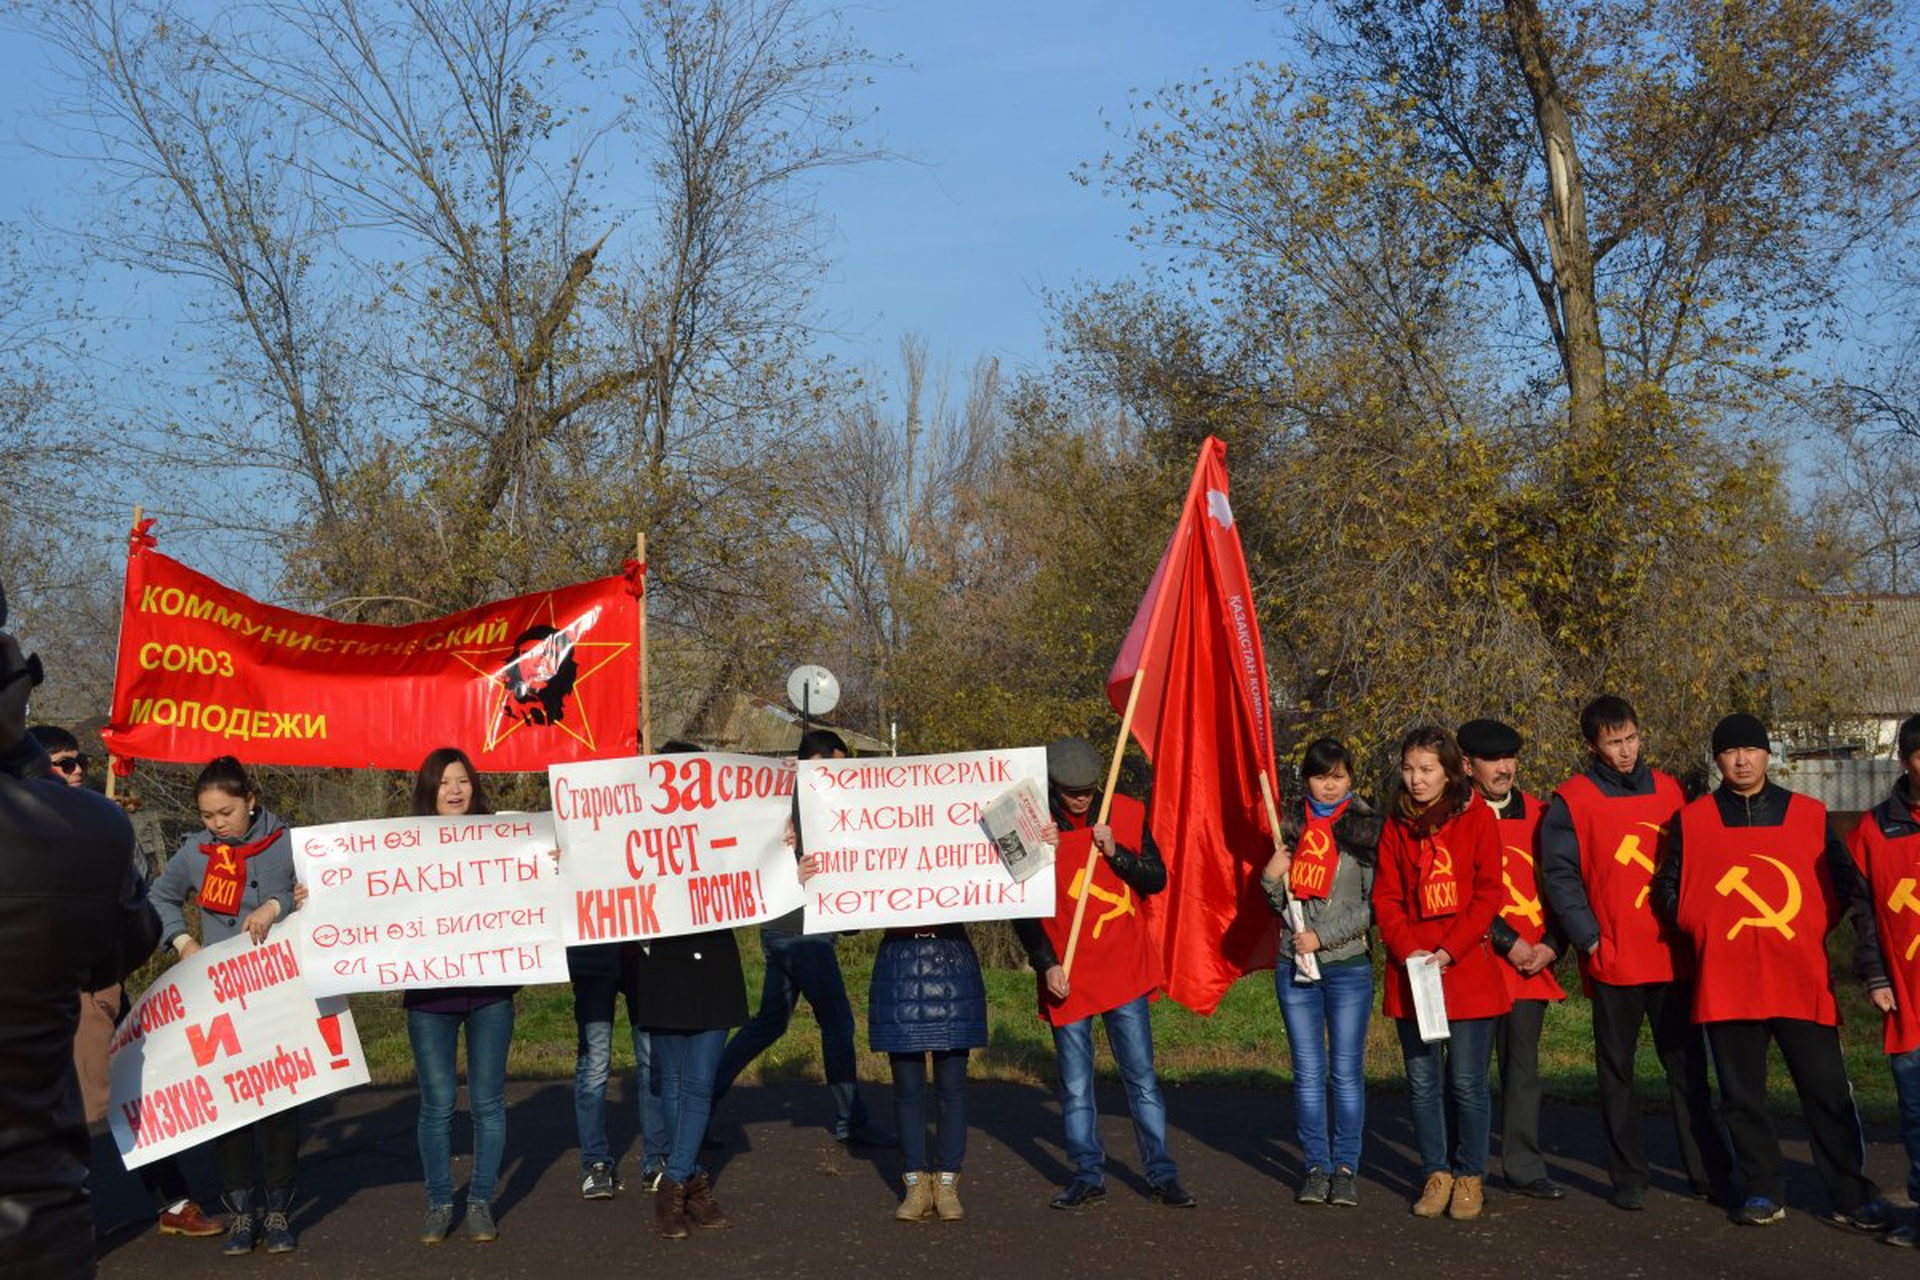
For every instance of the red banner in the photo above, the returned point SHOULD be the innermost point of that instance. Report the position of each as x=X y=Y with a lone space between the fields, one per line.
x=518 y=684
x=1202 y=718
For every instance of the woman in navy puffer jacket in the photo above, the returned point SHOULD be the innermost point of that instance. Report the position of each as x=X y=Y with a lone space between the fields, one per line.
x=927 y=1001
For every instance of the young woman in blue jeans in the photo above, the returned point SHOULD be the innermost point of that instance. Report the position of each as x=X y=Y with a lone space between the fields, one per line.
x=1323 y=863
x=448 y=785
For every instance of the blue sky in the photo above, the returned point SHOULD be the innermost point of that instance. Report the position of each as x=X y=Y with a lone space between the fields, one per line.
x=992 y=105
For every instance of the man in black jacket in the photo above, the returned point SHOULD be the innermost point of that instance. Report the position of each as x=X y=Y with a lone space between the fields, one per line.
x=73 y=917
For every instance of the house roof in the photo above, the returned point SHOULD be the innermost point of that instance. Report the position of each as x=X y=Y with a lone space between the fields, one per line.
x=1872 y=644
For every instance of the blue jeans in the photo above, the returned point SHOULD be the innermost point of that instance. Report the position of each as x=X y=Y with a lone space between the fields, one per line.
x=1906 y=1086
x=1327 y=1037
x=1450 y=1070
x=801 y=965
x=434 y=1037
x=910 y=1108
x=683 y=1065
x=593 y=1012
x=1130 y=1034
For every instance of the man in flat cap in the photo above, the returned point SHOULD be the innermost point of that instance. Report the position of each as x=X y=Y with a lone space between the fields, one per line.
x=1116 y=971
x=1600 y=844
x=1527 y=938
x=1757 y=882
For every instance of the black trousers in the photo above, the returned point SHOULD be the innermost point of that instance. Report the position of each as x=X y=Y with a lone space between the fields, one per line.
x=1618 y=1013
x=1516 y=1039
x=1812 y=1055
x=278 y=1143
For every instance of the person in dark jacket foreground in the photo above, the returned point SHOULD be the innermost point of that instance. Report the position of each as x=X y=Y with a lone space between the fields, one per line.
x=73 y=917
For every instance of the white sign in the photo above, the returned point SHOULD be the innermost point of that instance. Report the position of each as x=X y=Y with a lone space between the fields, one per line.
x=901 y=840
x=653 y=846
x=223 y=1038
x=465 y=901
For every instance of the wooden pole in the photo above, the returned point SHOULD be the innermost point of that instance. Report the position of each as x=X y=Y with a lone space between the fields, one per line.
x=646 y=702
x=139 y=513
x=1106 y=806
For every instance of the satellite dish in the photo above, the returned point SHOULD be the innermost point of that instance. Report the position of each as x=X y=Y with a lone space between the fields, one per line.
x=813 y=690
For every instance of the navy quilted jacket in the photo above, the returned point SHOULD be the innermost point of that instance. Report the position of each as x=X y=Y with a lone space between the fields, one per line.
x=926 y=993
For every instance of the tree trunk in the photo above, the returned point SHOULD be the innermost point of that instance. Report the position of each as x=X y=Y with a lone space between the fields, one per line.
x=1582 y=355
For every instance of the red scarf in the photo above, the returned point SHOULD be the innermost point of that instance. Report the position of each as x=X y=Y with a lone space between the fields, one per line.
x=227 y=873
x=1439 y=882
x=1315 y=856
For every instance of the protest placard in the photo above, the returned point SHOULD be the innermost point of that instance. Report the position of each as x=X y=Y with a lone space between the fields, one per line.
x=463 y=901
x=901 y=841
x=221 y=1039
x=660 y=845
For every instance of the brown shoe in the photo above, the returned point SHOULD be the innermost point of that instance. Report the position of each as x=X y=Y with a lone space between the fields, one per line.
x=1468 y=1199
x=946 y=1197
x=917 y=1204
x=1433 y=1198
x=670 y=1209
x=702 y=1209
x=190 y=1221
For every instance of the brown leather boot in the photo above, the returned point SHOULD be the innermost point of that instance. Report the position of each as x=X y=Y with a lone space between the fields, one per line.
x=702 y=1209
x=1468 y=1199
x=1433 y=1198
x=917 y=1204
x=670 y=1209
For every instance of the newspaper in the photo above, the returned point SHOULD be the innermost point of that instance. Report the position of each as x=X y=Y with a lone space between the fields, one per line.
x=1306 y=968
x=1429 y=997
x=1013 y=820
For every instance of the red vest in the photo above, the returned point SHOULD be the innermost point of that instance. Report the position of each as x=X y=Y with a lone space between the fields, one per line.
x=1524 y=908
x=1116 y=960
x=1619 y=850
x=1758 y=903
x=1892 y=868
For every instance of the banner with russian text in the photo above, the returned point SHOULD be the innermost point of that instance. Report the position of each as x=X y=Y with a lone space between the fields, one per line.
x=658 y=845
x=223 y=1038
x=468 y=901
x=519 y=684
x=901 y=840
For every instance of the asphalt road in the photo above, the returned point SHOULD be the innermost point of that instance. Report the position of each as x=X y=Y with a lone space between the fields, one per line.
x=803 y=1206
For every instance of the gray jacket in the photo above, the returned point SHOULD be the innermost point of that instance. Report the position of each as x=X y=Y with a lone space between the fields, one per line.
x=1342 y=918
x=269 y=875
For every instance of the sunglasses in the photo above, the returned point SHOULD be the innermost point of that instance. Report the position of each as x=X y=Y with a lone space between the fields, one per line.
x=71 y=764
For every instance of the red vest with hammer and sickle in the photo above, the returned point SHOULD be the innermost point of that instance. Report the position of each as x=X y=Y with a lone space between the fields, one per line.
x=1891 y=865
x=1116 y=960
x=1758 y=903
x=1519 y=849
x=1619 y=852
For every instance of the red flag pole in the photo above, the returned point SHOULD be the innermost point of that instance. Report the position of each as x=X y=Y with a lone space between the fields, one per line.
x=138 y=513
x=1106 y=805
x=646 y=704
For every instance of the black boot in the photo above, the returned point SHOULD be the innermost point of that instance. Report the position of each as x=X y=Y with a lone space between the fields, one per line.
x=242 y=1225
x=278 y=1231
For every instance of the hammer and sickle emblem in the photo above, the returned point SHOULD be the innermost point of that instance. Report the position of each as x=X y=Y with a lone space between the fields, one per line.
x=1314 y=842
x=1629 y=854
x=1902 y=899
x=226 y=856
x=1442 y=859
x=1770 y=917
x=1120 y=904
x=1519 y=905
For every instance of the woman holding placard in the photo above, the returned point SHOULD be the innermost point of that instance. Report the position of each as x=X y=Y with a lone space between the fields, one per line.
x=448 y=786
x=240 y=871
x=1436 y=891
x=1319 y=882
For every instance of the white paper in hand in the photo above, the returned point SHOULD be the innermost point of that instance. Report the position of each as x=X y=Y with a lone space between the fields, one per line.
x=1306 y=968
x=1429 y=997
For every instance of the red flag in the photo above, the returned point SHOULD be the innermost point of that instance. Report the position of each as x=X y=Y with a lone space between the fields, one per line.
x=1201 y=717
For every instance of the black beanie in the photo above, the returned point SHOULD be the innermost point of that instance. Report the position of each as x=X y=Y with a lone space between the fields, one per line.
x=1740 y=730
x=1488 y=739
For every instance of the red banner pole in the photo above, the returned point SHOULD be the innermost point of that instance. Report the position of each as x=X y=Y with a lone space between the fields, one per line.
x=112 y=779
x=646 y=702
